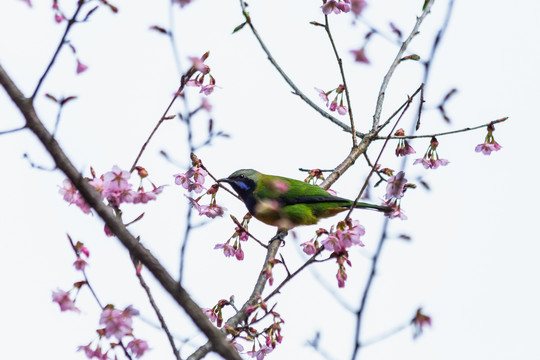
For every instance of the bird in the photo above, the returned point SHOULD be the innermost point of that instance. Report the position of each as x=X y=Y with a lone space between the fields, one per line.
x=287 y=203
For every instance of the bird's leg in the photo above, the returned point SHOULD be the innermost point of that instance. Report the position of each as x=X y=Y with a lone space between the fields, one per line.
x=280 y=235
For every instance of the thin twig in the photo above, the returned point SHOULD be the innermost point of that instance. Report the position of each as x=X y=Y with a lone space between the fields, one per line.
x=445 y=132
x=12 y=130
x=396 y=62
x=343 y=78
x=296 y=90
x=183 y=82
x=70 y=23
x=386 y=335
x=161 y=320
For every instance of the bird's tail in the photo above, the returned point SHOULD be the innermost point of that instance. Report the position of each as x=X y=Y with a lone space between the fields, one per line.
x=385 y=209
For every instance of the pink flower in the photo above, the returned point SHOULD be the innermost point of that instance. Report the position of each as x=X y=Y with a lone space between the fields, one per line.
x=80 y=263
x=68 y=191
x=309 y=247
x=489 y=145
x=207 y=89
x=357 y=6
x=182 y=3
x=228 y=249
x=486 y=148
x=346 y=235
x=81 y=67
x=193 y=82
x=143 y=197
x=239 y=254
x=194 y=185
x=323 y=95
x=335 y=7
x=28 y=2
x=431 y=158
x=333 y=105
x=360 y=56
x=88 y=351
x=403 y=148
x=182 y=179
x=351 y=234
x=137 y=347
x=117 y=322
x=212 y=211
x=243 y=235
x=396 y=209
x=72 y=196
x=341 y=277
x=395 y=186
x=199 y=65
x=59 y=18
x=117 y=178
x=332 y=243
x=85 y=251
x=198 y=174
x=62 y=298
x=210 y=314
x=98 y=184
x=261 y=353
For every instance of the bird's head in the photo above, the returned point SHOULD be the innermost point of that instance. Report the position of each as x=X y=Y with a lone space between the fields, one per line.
x=243 y=181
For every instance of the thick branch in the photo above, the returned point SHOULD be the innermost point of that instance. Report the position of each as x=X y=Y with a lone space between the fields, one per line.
x=219 y=341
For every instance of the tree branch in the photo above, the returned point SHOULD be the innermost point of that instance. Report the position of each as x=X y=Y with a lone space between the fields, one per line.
x=91 y=196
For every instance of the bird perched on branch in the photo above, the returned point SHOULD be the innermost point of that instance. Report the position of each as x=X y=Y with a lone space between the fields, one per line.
x=286 y=203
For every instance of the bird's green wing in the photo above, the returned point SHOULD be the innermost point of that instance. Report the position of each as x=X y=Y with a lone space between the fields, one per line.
x=291 y=192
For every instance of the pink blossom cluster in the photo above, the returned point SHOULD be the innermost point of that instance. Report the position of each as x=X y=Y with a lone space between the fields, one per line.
x=240 y=234
x=347 y=234
x=431 y=158
x=339 y=6
x=113 y=186
x=215 y=313
x=403 y=148
x=341 y=275
x=268 y=270
x=202 y=71
x=80 y=264
x=193 y=180
x=489 y=145
x=63 y=299
x=271 y=334
x=333 y=106
x=118 y=324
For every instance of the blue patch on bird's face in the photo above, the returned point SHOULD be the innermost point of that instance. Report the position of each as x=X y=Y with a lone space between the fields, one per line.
x=242 y=185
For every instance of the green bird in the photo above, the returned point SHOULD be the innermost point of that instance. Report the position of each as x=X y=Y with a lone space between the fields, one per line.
x=286 y=203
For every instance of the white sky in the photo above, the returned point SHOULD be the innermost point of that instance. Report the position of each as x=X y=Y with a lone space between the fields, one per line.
x=473 y=261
